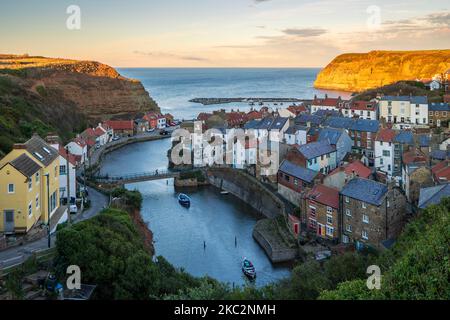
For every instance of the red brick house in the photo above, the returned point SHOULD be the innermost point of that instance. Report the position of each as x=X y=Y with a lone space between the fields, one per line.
x=322 y=211
x=122 y=127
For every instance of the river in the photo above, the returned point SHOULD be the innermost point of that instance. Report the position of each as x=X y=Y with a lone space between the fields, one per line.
x=213 y=219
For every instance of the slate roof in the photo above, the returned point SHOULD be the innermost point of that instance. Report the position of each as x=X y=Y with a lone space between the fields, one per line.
x=315 y=149
x=412 y=99
x=305 y=118
x=424 y=140
x=405 y=137
x=438 y=107
x=438 y=154
x=339 y=122
x=433 y=195
x=365 y=190
x=353 y=124
x=278 y=123
x=25 y=165
x=252 y=124
x=41 y=150
x=326 y=113
x=294 y=170
x=331 y=135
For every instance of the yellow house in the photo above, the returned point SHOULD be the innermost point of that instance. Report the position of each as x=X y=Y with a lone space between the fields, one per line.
x=25 y=173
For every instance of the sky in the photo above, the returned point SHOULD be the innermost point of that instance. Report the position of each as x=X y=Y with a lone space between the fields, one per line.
x=220 y=33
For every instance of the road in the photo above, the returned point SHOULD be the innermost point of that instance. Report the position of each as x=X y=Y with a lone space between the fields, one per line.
x=18 y=254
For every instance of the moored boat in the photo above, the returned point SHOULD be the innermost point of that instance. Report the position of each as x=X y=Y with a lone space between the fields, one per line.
x=184 y=199
x=248 y=269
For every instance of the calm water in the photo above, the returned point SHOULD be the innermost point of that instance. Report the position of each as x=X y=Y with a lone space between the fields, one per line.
x=172 y=88
x=179 y=232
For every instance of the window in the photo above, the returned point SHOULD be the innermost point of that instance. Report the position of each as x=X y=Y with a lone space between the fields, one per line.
x=347 y=200
x=11 y=188
x=348 y=212
x=444 y=113
x=312 y=224
x=387 y=203
x=363 y=204
x=30 y=209
x=381 y=161
x=437 y=113
x=430 y=113
x=286 y=177
x=37 y=177
x=329 y=219
x=329 y=210
x=365 y=218
x=62 y=170
x=329 y=231
x=30 y=184
x=386 y=153
x=345 y=239
x=389 y=167
x=431 y=121
x=365 y=235
x=348 y=228
x=37 y=202
x=296 y=182
x=312 y=211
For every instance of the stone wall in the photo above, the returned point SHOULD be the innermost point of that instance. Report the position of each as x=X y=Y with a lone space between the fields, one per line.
x=248 y=189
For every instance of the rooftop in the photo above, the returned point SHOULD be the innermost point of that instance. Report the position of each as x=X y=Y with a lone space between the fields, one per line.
x=297 y=171
x=25 y=165
x=365 y=190
x=433 y=195
x=356 y=167
x=325 y=195
x=386 y=135
x=331 y=135
x=39 y=149
x=405 y=137
x=315 y=149
x=438 y=107
x=412 y=99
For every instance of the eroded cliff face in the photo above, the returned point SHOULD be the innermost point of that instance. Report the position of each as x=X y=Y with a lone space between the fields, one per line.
x=362 y=71
x=98 y=91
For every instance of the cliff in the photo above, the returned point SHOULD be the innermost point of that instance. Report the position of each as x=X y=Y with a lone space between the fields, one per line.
x=97 y=91
x=45 y=95
x=361 y=71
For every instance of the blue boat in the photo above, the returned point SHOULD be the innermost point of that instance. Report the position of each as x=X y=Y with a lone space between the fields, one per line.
x=184 y=200
x=248 y=269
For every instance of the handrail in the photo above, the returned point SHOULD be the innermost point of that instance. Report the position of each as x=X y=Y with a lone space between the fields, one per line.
x=155 y=173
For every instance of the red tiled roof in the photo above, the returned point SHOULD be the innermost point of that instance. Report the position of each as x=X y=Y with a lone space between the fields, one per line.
x=89 y=132
x=297 y=109
x=99 y=131
x=203 y=116
x=386 y=135
x=121 y=124
x=356 y=167
x=412 y=157
x=325 y=195
x=80 y=142
x=441 y=171
x=362 y=105
x=72 y=158
x=331 y=102
x=253 y=115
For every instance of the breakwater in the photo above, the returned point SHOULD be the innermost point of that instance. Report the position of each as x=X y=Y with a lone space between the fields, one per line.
x=209 y=101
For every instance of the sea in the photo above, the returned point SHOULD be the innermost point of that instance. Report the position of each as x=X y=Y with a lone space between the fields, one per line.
x=172 y=88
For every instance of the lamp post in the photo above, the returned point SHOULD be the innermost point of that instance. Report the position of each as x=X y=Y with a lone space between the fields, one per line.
x=48 y=209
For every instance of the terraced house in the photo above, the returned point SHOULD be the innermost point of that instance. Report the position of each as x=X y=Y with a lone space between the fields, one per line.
x=317 y=156
x=438 y=114
x=372 y=213
x=29 y=182
x=404 y=111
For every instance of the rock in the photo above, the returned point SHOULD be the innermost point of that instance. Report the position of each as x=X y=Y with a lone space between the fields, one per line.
x=362 y=71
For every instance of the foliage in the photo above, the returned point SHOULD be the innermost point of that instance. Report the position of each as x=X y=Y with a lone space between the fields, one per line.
x=417 y=267
x=132 y=198
x=110 y=253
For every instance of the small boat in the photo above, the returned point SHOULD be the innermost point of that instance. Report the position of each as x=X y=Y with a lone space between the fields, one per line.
x=224 y=192
x=248 y=269
x=184 y=200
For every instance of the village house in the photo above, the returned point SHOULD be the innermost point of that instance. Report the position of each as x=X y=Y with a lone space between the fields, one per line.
x=415 y=175
x=285 y=113
x=326 y=104
x=360 y=109
x=337 y=138
x=309 y=120
x=103 y=133
x=294 y=181
x=89 y=137
x=404 y=110
x=322 y=207
x=371 y=213
x=438 y=114
x=65 y=170
x=433 y=195
x=169 y=119
x=384 y=151
x=317 y=156
x=361 y=131
x=141 y=126
x=122 y=128
x=441 y=172
x=253 y=115
x=298 y=109
x=79 y=148
x=295 y=135
x=339 y=177
x=30 y=175
x=155 y=120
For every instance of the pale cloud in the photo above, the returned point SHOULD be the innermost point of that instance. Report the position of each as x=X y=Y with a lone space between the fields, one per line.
x=305 y=32
x=170 y=55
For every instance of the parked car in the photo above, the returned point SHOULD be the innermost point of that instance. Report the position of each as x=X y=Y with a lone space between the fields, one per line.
x=151 y=130
x=73 y=208
x=164 y=132
x=116 y=138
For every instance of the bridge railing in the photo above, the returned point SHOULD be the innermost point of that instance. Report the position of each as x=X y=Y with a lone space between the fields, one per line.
x=140 y=175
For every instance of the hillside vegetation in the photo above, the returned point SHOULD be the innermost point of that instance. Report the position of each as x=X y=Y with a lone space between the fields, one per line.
x=362 y=71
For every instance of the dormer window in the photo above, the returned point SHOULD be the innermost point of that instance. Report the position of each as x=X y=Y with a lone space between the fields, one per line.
x=46 y=150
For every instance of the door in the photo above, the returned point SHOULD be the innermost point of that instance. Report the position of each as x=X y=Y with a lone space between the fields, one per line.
x=9 y=221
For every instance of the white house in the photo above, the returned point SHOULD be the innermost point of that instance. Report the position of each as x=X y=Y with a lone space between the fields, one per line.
x=412 y=110
x=161 y=122
x=79 y=148
x=65 y=171
x=326 y=104
x=103 y=134
x=360 y=109
x=384 y=151
x=296 y=135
